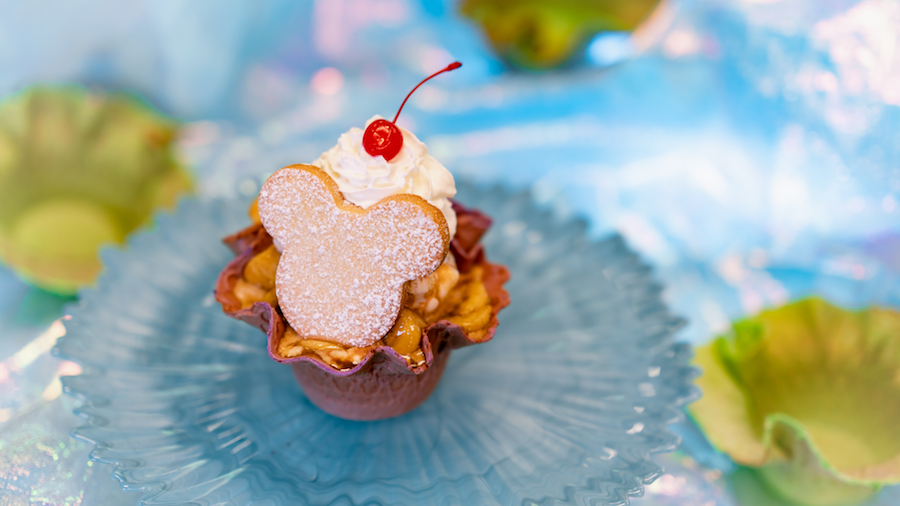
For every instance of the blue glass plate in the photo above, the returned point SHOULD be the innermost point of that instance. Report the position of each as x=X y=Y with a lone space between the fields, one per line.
x=566 y=403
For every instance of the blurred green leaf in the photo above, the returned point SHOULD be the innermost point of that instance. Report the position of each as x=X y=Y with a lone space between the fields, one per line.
x=809 y=394
x=541 y=35
x=79 y=170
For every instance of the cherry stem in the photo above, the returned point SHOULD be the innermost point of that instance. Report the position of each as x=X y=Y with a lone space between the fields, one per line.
x=453 y=66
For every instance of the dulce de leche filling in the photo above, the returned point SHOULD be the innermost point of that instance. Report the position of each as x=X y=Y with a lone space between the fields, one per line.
x=445 y=294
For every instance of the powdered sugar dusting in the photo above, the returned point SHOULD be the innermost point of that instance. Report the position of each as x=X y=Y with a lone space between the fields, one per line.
x=342 y=272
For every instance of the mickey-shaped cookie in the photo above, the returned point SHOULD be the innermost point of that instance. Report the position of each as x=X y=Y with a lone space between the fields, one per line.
x=343 y=268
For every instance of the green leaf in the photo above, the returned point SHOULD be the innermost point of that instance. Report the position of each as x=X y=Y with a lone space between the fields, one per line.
x=540 y=35
x=809 y=394
x=79 y=170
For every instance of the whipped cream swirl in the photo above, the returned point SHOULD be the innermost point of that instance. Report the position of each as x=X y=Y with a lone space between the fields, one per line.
x=365 y=179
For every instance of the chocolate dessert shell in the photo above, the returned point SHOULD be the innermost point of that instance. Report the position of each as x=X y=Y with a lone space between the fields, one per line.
x=383 y=384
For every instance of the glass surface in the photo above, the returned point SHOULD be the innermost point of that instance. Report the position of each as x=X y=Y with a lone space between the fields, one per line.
x=566 y=403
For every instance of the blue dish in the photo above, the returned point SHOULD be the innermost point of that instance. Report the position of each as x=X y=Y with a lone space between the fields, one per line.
x=567 y=402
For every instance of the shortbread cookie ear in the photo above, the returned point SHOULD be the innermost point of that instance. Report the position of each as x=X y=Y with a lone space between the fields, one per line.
x=343 y=268
x=297 y=201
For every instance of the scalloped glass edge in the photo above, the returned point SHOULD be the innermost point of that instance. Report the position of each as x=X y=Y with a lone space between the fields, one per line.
x=675 y=356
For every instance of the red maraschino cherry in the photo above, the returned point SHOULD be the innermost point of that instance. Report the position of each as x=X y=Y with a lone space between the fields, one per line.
x=382 y=137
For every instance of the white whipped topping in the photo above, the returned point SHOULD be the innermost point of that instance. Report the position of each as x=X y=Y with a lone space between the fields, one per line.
x=365 y=179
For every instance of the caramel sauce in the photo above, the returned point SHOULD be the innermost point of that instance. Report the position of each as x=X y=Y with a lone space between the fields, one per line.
x=444 y=294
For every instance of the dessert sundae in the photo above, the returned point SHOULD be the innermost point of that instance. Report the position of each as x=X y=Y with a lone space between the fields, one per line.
x=363 y=273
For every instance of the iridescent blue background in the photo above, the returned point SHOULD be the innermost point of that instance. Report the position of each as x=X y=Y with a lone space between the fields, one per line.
x=748 y=149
